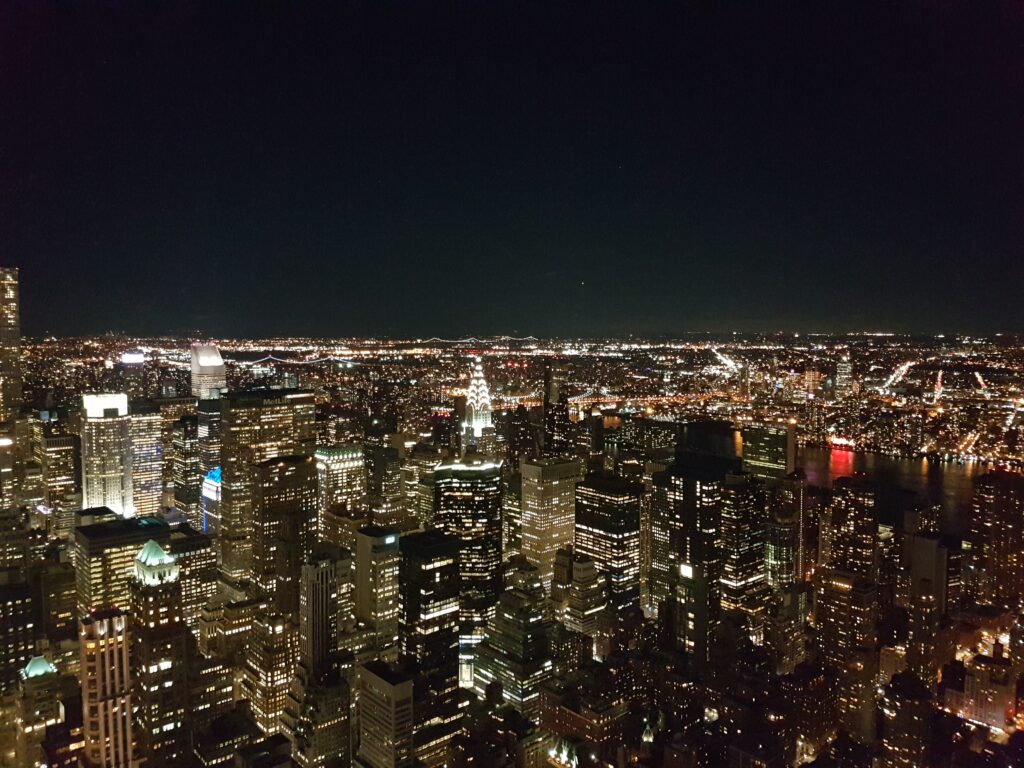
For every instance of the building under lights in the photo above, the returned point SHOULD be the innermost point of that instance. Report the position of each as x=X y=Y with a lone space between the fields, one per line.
x=160 y=657
x=467 y=505
x=608 y=532
x=10 y=345
x=108 y=719
x=209 y=377
x=107 y=453
x=342 y=473
x=378 y=561
x=548 y=504
x=256 y=425
x=478 y=431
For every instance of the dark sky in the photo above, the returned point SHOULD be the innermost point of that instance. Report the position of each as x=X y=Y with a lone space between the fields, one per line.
x=258 y=168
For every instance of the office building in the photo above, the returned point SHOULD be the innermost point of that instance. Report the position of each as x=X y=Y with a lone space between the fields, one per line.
x=386 y=717
x=269 y=666
x=342 y=473
x=325 y=603
x=38 y=706
x=557 y=440
x=516 y=652
x=608 y=531
x=742 y=536
x=548 y=511
x=18 y=630
x=378 y=560
x=108 y=727
x=907 y=711
x=284 y=526
x=255 y=426
x=10 y=345
x=579 y=593
x=467 y=505
x=104 y=557
x=144 y=428
x=186 y=474
x=429 y=619
x=477 y=430
x=209 y=376
x=160 y=654
x=107 y=453
x=769 y=450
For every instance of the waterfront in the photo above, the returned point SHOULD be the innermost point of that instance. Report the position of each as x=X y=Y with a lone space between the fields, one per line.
x=899 y=481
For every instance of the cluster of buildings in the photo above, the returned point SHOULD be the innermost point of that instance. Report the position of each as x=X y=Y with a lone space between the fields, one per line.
x=263 y=562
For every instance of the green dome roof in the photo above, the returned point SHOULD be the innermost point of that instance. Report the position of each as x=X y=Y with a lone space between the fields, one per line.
x=152 y=554
x=37 y=667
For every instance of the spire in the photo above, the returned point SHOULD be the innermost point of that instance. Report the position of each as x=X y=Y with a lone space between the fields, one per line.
x=478 y=401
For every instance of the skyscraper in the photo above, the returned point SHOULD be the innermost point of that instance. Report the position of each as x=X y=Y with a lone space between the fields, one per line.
x=516 y=652
x=377 y=588
x=742 y=536
x=209 y=378
x=107 y=453
x=608 y=532
x=255 y=426
x=467 y=505
x=995 y=562
x=284 y=526
x=160 y=654
x=325 y=603
x=147 y=459
x=267 y=671
x=186 y=476
x=548 y=511
x=342 y=469
x=556 y=408
x=769 y=450
x=478 y=430
x=429 y=619
x=10 y=345
x=106 y=677
x=385 y=717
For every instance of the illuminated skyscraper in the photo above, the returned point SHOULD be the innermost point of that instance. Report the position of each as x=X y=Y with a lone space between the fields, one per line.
x=579 y=593
x=845 y=622
x=467 y=505
x=56 y=451
x=742 y=537
x=107 y=453
x=342 y=470
x=104 y=558
x=255 y=426
x=478 y=430
x=854 y=527
x=377 y=588
x=548 y=511
x=147 y=460
x=284 y=527
x=516 y=652
x=325 y=603
x=844 y=376
x=209 y=377
x=995 y=562
x=269 y=666
x=385 y=717
x=106 y=677
x=556 y=408
x=160 y=655
x=38 y=706
x=429 y=619
x=769 y=450
x=186 y=475
x=10 y=345
x=608 y=532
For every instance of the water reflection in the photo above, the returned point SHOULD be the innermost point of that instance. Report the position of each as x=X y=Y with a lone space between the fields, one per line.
x=899 y=482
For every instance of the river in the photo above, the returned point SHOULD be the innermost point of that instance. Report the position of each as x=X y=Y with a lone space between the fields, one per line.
x=898 y=481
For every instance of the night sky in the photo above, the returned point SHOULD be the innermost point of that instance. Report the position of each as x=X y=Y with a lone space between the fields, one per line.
x=410 y=169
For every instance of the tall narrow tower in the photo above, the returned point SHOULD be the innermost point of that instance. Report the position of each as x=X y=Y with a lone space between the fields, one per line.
x=10 y=345
x=107 y=690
